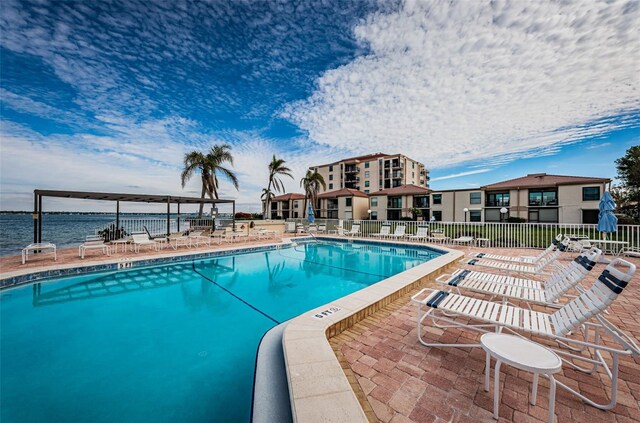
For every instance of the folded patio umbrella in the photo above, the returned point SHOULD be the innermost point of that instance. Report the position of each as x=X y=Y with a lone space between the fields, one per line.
x=310 y=217
x=607 y=221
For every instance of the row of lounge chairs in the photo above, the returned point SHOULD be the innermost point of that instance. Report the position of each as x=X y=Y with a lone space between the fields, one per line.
x=422 y=234
x=553 y=305
x=137 y=241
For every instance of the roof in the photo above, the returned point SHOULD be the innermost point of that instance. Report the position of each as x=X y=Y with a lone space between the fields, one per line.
x=534 y=180
x=408 y=189
x=344 y=192
x=287 y=197
x=366 y=157
x=136 y=198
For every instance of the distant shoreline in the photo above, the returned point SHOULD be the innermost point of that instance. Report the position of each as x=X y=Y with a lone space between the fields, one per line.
x=79 y=212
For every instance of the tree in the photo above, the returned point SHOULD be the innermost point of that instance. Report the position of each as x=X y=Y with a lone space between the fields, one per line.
x=277 y=168
x=266 y=197
x=210 y=166
x=311 y=184
x=629 y=174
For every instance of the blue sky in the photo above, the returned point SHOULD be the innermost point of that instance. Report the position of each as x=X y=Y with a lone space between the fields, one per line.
x=108 y=96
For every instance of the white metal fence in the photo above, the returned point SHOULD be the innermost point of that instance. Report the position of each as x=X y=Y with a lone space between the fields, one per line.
x=507 y=235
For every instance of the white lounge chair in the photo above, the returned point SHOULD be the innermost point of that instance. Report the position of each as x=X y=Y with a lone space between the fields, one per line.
x=508 y=287
x=199 y=237
x=39 y=248
x=438 y=237
x=93 y=243
x=178 y=239
x=322 y=228
x=631 y=252
x=583 y=316
x=385 y=230
x=463 y=240
x=422 y=233
x=536 y=268
x=142 y=240
x=556 y=243
x=355 y=230
x=399 y=232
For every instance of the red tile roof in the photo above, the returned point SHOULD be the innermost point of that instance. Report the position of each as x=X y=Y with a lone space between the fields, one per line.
x=535 y=180
x=408 y=189
x=344 y=192
x=287 y=197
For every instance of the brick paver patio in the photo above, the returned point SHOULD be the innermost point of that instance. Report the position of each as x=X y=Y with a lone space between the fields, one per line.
x=399 y=380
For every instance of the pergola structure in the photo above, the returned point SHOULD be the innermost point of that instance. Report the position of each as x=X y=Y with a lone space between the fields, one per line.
x=118 y=197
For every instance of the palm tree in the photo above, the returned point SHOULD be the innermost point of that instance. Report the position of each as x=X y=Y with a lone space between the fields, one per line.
x=209 y=166
x=276 y=169
x=266 y=196
x=311 y=184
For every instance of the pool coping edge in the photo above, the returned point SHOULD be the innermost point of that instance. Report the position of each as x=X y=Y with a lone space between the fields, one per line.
x=318 y=387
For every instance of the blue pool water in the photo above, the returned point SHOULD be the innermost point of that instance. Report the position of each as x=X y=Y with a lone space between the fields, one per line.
x=167 y=343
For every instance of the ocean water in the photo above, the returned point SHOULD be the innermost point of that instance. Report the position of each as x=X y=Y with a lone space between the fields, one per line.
x=64 y=230
x=174 y=343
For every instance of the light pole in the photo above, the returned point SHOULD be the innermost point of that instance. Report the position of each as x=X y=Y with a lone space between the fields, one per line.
x=503 y=213
x=369 y=213
x=465 y=210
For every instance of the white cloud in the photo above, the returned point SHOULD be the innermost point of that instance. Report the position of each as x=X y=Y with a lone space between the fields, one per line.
x=461 y=174
x=449 y=82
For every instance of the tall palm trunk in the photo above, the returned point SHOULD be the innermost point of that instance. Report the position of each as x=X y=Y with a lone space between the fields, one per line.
x=202 y=194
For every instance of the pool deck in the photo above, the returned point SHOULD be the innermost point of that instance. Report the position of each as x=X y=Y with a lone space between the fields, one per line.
x=361 y=361
x=399 y=380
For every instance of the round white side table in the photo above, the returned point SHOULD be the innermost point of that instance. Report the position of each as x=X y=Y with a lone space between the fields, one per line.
x=524 y=355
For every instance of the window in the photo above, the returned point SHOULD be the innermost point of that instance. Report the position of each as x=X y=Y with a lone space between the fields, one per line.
x=475 y=216
x=543 y=197
x=349 y=201
x=374 y=201
x=497 y=199
x=331 y=177
x=366 y=191
x=295 y=204
x=591 y=194
x=394 y=202
x=366 y=173
x=589 y=216
x=330 y=168
x=437 y=214
x=475 y=198
x=366 y=183
x=421 y=202
x=330 y=186
x=366 y=165
x=543 y=215
x=437 y=199
x=374 y=215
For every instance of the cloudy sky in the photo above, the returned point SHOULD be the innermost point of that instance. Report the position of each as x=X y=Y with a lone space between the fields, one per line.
x=109 y=95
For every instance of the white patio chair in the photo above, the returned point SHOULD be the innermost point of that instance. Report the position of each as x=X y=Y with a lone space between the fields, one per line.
x=508 y=287
x=93 y=243
x=582 y=317
x=422 y=233
x=399 y=232
x=142 y=240
x=385 y=230
x=355 y=230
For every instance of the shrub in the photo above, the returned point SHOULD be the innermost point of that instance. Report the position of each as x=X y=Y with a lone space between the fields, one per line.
x=513 y=219
x=626 y=220
x=241 y=215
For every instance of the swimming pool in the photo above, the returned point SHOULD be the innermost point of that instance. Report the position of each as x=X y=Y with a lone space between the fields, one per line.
x=174 y=342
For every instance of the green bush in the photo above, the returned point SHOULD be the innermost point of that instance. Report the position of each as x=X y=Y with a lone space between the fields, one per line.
x=513 y=219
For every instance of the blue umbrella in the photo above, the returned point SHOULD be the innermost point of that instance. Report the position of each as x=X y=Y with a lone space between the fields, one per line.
x=607 y=221
x=310 y=217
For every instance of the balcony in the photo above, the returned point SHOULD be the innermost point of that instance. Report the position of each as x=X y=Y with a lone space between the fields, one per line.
x=351 y=169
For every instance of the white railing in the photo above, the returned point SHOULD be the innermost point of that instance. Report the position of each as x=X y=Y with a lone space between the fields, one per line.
x=157 y=226
x=507 y=235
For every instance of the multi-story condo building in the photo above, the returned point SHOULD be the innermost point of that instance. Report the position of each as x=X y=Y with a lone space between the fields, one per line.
x=287 y=206
x=373 y=172
x=537 y=198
